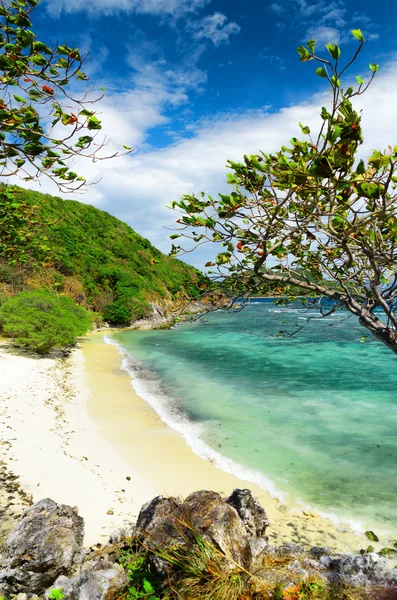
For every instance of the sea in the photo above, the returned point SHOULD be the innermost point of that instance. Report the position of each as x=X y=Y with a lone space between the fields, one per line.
x=310 y=417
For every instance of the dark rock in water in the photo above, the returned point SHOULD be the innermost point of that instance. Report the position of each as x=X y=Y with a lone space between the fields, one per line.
x=252 y=514
x=372 y=536
x=46 y=543
x=100 y=579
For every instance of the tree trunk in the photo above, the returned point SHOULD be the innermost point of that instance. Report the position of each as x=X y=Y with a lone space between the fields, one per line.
x=379 y=330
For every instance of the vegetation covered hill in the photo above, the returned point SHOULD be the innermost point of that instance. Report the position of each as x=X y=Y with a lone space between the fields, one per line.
x=97 y=260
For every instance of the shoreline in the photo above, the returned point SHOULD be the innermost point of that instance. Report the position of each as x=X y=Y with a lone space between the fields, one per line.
x=76 y=431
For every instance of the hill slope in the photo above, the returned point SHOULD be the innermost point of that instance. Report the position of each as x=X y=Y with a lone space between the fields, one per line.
x=99 y=261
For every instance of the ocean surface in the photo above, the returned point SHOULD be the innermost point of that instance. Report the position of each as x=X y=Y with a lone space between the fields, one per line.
x=311 y=418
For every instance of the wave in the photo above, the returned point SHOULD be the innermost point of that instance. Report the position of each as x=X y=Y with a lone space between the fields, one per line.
x=148 y=386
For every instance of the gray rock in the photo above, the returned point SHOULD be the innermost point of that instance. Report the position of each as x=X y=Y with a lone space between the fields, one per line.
x=168 y=522
x=362 y=569
x=99 y=579
x=250 y=511
x=46 y=543
x=219 y=524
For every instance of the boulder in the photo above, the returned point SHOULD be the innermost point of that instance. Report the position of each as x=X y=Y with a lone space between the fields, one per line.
x=234 y=526
x=99 y=579
x=251 y=513
x=46 y=543
x=363 y=569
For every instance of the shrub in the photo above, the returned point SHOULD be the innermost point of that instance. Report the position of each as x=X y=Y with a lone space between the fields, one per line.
x=41 y=320
x=125 y=310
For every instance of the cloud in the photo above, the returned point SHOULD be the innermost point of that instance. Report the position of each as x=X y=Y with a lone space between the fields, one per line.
x=323 y=35
x=276 y=8
x=174 y=8
x=136 y=188
x=215 y=28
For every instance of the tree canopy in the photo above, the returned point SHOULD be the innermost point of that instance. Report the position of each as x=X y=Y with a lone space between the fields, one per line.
x=313 y=216
x=47 y=120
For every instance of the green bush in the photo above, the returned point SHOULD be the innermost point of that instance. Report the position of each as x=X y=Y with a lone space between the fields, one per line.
x=125 y=310
x=41 y=320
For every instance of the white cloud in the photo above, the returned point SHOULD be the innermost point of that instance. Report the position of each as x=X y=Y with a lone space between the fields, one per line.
x=215 y=28
x=277 y=8
x=135 y=188
x=323 y=35
x=173 y=8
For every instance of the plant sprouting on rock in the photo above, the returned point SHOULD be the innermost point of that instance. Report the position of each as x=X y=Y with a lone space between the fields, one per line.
x=313 y=217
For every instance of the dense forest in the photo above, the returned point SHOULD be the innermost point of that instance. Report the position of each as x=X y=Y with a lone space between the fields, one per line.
x=89 y=255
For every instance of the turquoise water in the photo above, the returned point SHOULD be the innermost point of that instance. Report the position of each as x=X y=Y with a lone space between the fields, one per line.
x=313 y=417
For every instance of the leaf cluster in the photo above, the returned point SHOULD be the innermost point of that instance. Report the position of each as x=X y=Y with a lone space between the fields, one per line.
x=34 y=86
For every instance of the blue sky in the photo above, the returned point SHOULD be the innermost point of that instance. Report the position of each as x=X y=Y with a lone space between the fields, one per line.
x=191 y=83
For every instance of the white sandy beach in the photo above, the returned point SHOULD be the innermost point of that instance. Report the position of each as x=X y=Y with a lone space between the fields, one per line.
x=75 y=431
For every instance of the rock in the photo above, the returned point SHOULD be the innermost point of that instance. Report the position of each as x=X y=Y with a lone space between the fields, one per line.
x=252 y=514
x=154 y=513
x=219 y=524
x=121 y=534
x=99 y=579
x=362 y=569
x=372 y=536
x=168 y=522
x=46 y=543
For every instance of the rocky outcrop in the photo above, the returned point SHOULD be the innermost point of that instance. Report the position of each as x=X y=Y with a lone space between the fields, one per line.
x=46 y=543
x=44 y=553
x=231 y=525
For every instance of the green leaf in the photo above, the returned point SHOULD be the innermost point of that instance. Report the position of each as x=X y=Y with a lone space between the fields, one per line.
x=321 y=72
x=93 y=123
x=360 y=80
x=127 y=147
x=361 y=167
x=305 y=129
x=19 y=99
x=40 y=47
x=147 y=586
x=334 y=50
x=310 y=45
x=358 y=34
x=303 y=53
x=373 y=67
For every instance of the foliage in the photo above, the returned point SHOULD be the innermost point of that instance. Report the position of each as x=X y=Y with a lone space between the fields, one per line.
x=22 y=236
x=141 y=585
x=41 y=320
x=35 y=83
x=43 y=128
x=97 y=260
x=56 y=594
x=311 y=589
x=313 y=215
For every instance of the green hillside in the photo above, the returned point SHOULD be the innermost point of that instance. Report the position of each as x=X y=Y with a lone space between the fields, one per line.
x=97 y=260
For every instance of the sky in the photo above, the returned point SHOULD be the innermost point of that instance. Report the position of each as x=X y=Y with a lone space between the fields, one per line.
x=192 y=83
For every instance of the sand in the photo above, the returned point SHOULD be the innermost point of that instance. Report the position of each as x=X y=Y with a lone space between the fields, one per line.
x=74 y=430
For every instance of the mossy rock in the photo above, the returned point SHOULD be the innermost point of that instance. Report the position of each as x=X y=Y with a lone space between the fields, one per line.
x=388 y=552
x=372 y=536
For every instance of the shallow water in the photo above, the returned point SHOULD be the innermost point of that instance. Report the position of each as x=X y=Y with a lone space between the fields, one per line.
x=315 y=414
